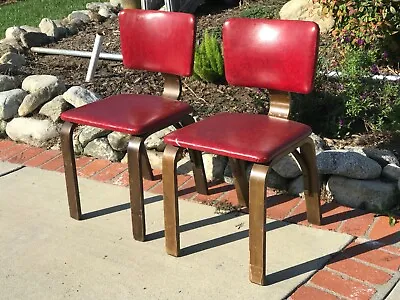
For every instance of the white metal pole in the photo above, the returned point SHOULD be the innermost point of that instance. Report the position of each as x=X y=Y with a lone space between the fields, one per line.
x=87 y=54
x=168 y=5
x=95 y=57
x=144 y=4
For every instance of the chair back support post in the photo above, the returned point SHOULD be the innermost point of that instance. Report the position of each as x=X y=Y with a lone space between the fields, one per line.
x=279 y=104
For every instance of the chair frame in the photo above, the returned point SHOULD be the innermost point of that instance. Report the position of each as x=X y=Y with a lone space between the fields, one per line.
x=138 y=165
x=250 y=193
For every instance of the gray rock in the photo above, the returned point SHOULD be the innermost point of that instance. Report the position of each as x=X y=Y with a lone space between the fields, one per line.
x=34 y=39
x=78 y=148
x=155 y=140
x=296 y=186
x=14 y=59
x=54 y=108
x=274 y=180
x=100 y=148
x=107 y=13
x=118 y=141
x=372 y=195
x=7 y=68
x=11 y=44
x=5 y=48
x=381 y=156
x=89 y=133
x=3 y=125
x=115 y=3
x=31 y=131
x=287 y=167
x=95 y=17
x=214 y=166
x=81 y=15
x=50 y=28
x=319 y=143
x=392 y=172
x=42 y=89
x=14 y=33
x=78 y=96
x=36 y=83
x=30 y=28
x=8 y=83
x=10 y=102
x=307 y=10
x=347 y=163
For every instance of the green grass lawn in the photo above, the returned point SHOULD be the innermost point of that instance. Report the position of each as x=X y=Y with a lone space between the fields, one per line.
x=31 y=12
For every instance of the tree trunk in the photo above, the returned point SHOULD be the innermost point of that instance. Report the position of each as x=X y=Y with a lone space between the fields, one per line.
x=131 y=4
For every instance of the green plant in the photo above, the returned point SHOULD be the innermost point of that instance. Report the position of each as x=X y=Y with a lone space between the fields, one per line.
x=352 y=102
x=257 y=12
x=365 y=23
x=208 y=60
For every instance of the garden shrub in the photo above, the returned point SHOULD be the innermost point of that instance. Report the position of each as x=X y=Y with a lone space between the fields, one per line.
x=257 y=12
x=366 y=23
x=208 y=60
x=353 y=102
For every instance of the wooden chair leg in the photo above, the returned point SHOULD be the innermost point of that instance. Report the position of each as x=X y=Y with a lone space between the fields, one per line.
x=147 y=171
x=71 y=178
x=171 y=208
x=196 y=159
x=240 y=180
x=257 y=216
x=135 y=149
x=308 y=164
x=199 y=174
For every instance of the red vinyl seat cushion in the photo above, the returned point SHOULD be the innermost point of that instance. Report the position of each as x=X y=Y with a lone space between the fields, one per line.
x=132 y=114
x=255 y=138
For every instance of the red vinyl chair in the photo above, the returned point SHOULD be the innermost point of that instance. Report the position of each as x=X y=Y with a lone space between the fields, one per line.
x=281 y=56
x=153 y=41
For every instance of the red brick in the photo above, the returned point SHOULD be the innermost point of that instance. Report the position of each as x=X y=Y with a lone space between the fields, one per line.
x=279 y=206
x=82 y=161
x=360 y=271
x=358 y=225
x=93 y=167
x=187 y=189
x=54 y=164
x=42 y=158
x=215 y=192
x=369 y=254
x=27 y=154
x=5 y=144
x=12 y=151
x=345 y=287
x=181 y=180
x=230 y=197
x=382 y=230
x=110 y=172
x=310 y=293
x=122 y=179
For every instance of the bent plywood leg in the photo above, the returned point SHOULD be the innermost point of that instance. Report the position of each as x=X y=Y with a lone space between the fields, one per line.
x=240 y=181
x=171 y=208
x=199 y=174
x=146 y=167
x=308 y=164
x=257 y=216
x=136 y=188
x=71 y=178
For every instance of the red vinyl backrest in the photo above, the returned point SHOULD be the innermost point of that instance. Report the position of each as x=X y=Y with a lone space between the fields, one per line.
x=157 y=41
x=273 y=54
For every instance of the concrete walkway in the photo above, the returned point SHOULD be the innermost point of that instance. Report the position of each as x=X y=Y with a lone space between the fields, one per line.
x=44 y=254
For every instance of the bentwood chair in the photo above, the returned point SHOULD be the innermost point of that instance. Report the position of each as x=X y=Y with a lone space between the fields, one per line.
x=278 y=55
x=153 y=41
